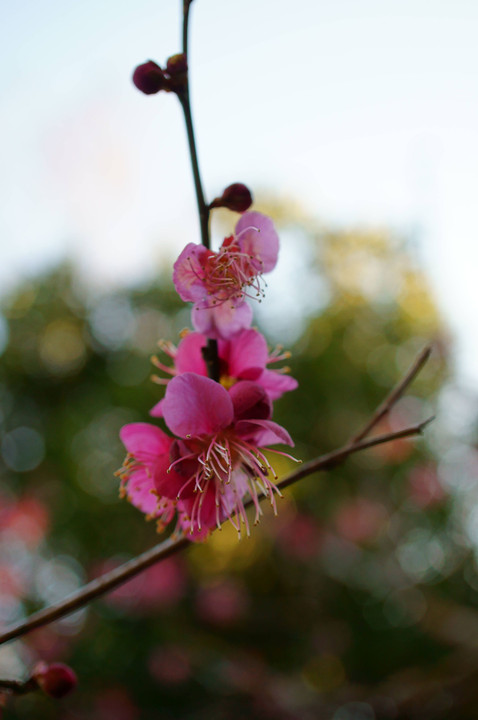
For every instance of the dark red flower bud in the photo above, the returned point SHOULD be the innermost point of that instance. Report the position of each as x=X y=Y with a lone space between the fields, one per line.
x=55 y=679
x=177 y=64
x=236 y=197
x=149 y=78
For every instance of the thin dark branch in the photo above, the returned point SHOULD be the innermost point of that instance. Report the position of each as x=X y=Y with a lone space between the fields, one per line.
x=392 y=398
x=211 y=356
x=168 y=547
x=336 y=457
x=186 y=6
x=17 y=687
x=203 y=208
x=97 y=587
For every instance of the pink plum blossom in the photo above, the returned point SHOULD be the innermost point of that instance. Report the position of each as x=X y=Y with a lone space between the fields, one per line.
x=214 y=461
x=218 y=282
x=244 y=356
x=148 y=453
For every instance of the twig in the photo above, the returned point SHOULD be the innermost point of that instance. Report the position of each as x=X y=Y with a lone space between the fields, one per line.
x=17 y=687
x=168 y=547
x=392 y=398
x=210 y=351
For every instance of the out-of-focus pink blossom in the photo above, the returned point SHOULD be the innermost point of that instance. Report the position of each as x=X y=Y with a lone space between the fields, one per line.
x=299 y=536
x=115 y=704
x=222 y=603
x=216 y=457
x=424 y=486
x=360 y=520
x=244 y=356
x=170 y=665
x=27 y=518
x=218 y=282
x=159 y=587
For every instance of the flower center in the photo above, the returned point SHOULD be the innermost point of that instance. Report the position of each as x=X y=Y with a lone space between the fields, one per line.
x=229 y=467
x=231 y=274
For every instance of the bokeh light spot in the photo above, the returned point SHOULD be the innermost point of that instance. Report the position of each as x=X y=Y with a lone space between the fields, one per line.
x=23 y=449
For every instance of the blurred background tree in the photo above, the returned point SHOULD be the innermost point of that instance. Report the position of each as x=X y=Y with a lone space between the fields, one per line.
x=357 y=602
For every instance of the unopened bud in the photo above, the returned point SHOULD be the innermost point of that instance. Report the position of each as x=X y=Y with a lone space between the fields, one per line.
x=177 y=64
x=236 y=197
x=55 y=679
x=149 y=78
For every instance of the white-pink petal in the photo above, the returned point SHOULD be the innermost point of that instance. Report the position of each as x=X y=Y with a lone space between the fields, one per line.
x=222 y=321
x=257 y=237
x=188 y=272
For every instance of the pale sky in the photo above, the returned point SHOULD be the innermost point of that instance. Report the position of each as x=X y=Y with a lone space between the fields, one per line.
x=364 y=110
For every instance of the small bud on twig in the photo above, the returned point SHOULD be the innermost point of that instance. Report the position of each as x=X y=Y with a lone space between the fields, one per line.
x=149 y=78
x=56 y=679
x=236 y=197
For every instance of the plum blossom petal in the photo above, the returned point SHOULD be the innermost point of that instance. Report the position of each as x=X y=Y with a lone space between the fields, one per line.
x=246 y=355
x=189 y=356
x=218 y=282
x=258 y=238
x=221 y=321
x=141 y=492
x=263 y=432
x=195 y=405
x=243 y=357
x=250 y=400
x=276 y=383
x=146 y=463
x=189 y=273
x=157 y=410
x=144 y=441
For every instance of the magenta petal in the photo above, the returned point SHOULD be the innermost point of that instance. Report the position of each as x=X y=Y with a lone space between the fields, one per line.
x=248 y=350
x=144 y=440
x=167 y=482
x=257 y=237
x=196 y=405
x=188 y=272
x=208 y=517
x=140 y=491
x=250 y=400
x=157 y=410
x=189 y=355
x=222 y=321
x=276 y=383
x=263 y=432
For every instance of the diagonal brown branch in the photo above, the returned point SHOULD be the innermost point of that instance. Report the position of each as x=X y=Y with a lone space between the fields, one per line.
x=168 y=547
x=392 y=398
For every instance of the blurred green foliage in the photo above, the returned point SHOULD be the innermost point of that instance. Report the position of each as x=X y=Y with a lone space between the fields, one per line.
x=355 y=603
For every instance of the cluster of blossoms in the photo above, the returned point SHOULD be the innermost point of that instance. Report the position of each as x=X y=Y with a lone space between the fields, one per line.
x=213 y=464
